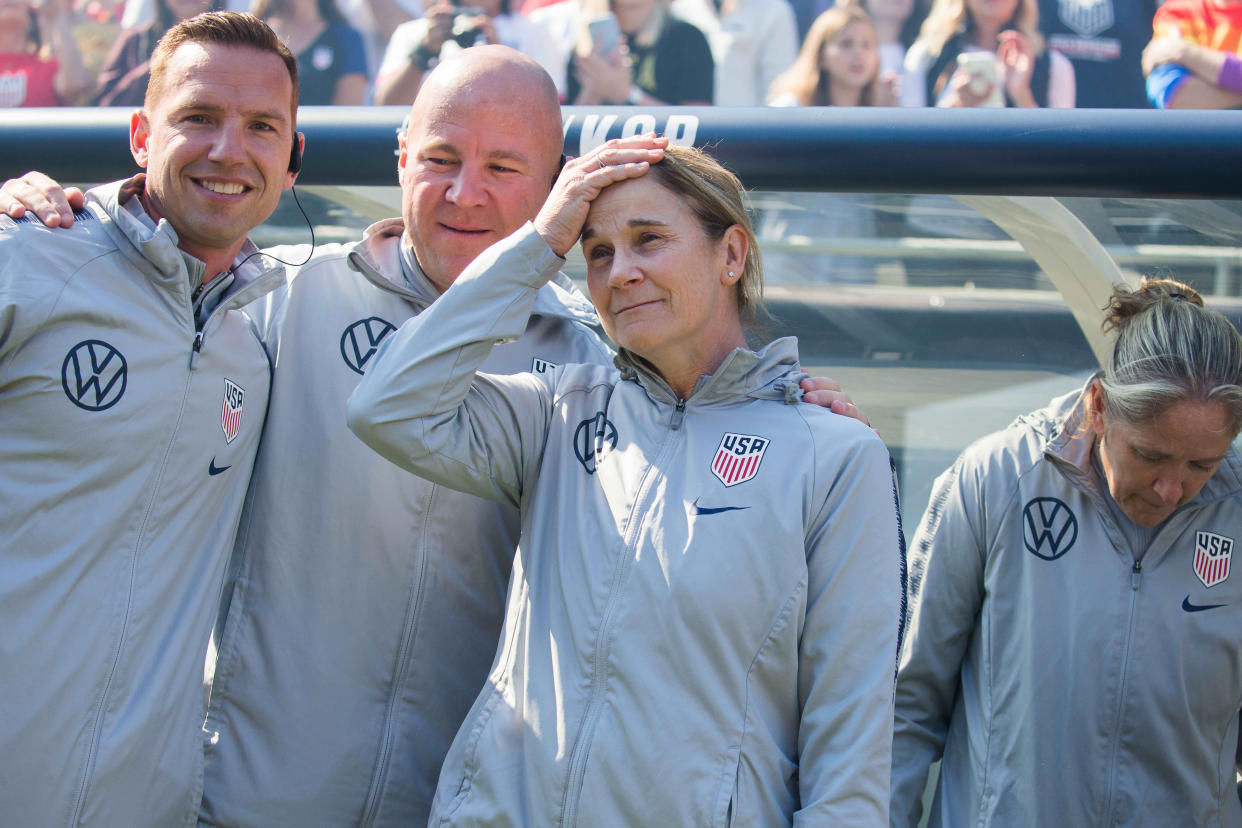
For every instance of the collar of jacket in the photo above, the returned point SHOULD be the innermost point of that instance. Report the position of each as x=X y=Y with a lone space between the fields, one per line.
x=158 y=246
x=386 y=258
x=1070 y=440
x=771 y=373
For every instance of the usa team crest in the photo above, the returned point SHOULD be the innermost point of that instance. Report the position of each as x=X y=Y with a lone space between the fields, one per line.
x=1212 y=554
x=738 y=457
x=230 y=415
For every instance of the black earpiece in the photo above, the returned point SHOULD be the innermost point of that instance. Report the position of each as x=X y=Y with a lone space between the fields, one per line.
x=295 y=157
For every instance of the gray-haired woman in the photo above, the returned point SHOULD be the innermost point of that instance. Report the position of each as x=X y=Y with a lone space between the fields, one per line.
x=1075 y=649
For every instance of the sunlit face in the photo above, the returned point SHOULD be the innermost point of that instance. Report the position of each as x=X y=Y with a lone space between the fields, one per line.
x=992 y=12
x=216 y=143
x=851 y=59
x=633 y=15
x=1154 y=467
x=473 y=170
x=660 y=285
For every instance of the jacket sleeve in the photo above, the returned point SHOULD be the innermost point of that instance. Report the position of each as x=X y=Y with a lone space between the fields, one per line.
x=421 y=404
x=946 y=592
x=848 y=647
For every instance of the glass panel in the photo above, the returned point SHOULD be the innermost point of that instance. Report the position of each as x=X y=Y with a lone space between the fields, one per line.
x=941 y=326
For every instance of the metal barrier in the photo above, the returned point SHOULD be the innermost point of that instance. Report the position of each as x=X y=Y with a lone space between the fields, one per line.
x=860 y=149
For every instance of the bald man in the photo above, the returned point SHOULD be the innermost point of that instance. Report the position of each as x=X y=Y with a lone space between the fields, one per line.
x=367 y=602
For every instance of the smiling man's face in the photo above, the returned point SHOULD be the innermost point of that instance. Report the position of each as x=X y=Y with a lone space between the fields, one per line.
x=215 y=145
x=478 y=160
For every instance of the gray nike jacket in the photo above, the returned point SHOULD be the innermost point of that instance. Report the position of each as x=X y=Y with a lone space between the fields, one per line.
x=1064 y=683
x=366 y=601
x=129 y=434
x=702 y=624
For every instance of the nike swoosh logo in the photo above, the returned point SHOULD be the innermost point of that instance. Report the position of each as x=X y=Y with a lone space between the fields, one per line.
x=703 y=510
x=213 y=469
x=1189 y=607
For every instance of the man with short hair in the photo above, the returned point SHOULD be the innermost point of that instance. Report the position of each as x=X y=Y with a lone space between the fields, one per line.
x=367 y=602
x=132 y=393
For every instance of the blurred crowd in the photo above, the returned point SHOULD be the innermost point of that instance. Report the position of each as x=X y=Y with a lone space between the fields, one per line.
x=1028 y=53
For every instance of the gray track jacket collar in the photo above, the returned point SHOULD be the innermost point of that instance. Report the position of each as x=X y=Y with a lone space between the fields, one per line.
x=743 y=368
x=374 y=258
x=156 y=246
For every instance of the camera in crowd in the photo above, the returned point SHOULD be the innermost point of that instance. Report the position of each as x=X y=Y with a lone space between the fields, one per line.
x=465 y=32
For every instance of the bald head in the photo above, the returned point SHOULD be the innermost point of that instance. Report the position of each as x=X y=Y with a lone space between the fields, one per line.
x=508 y=85
x=479 y=158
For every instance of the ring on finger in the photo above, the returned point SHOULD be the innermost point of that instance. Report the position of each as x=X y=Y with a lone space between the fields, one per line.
x=600 y=159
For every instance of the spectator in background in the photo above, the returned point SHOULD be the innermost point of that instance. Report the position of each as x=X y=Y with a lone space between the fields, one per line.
x=1027 y=74
x=449 y=27
x=332 y=62
x=1103 y=39
x=896 y=27
x=1193 y=61
x=561 y=20
x=124 y=75
x=752 y=42
x=40 y=64
x=661 y=60
x=838 y=65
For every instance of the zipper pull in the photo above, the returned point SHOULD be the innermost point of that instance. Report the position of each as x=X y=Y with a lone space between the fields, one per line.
x=679 y=414
x=195 y=348
x=1135 y=573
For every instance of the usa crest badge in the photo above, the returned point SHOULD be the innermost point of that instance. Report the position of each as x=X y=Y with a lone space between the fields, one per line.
x=230 y=415
x=1212 y=554
x=738 y=457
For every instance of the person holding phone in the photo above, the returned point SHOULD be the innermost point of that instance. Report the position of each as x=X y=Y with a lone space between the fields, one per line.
x=448 y=27
x=941 y=69
x=659 y=60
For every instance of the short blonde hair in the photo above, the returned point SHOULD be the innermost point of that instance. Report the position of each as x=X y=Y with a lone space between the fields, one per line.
x=718 y=200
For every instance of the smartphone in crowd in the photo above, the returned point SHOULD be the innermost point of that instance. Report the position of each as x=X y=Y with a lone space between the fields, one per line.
x=605 y=33
x=981 y=67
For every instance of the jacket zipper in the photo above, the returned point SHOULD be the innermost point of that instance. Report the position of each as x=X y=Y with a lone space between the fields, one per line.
x=378 y=779
x=1136 y=577
x=88 y=770
x=594 y=705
